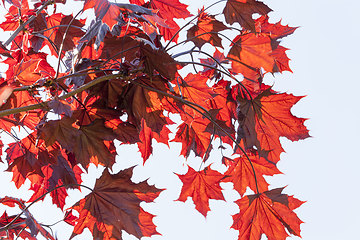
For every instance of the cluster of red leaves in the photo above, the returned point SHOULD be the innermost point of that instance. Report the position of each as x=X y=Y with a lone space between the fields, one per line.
x=120 y=83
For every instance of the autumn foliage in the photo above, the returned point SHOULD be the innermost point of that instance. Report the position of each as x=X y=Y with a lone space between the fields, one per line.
x=123 y=77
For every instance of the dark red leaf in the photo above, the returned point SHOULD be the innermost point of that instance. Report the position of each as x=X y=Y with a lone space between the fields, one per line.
x=241 y=11
x=206 y=31
x=114 y=205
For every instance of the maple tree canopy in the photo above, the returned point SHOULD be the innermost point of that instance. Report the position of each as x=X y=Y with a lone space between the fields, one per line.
x=124 y=77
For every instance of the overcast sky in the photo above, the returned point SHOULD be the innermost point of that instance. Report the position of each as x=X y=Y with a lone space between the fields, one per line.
x=322 y=170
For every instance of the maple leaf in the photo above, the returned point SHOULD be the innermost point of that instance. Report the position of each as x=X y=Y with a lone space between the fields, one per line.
x=29 y=72
x=56 y=34
x=255 y=51
x=168 y=10
x=90 y=143
x=221 y=105
x=275 y=31
x=267 y=213
x=145 y=111
x=125 y=131
x=145 y=139
x=241 y=173
x=60 y=107
x=29 y=118
x=241 y=11
x=55 y=175
x=24 y=158
x=14 y=17
x=110 y=13
x=157 y=59
x=194 y=137
x=266 y=118
x=206 y=30
x=30 y=56
x=201 y=186
x=119 y=47
x=194 y=88
x=114 y=205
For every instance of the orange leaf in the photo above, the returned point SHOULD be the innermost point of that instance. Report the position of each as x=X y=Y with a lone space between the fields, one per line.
x=241 y=174
x=193 y=136
x=253 y=50
x=201 y=186
x=267 y=213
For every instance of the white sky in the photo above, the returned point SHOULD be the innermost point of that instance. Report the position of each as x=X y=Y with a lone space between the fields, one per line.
x=322 y=170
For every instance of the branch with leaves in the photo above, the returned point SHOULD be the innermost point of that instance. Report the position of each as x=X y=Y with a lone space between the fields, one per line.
x=119 y=77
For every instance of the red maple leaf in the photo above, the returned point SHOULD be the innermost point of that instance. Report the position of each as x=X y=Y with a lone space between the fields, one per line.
x=268 y=213
x=194 y=88
x=145 y=139
x=30 y=118
x=266 y=118
x=58 y=23
x=55 y=175
x=201 y=186
x=256 y=51
x=24 y=159
x=111 y=13
x=14 y=17
x=90 y=143
x=241 y=173
x=157 y=59
x=114 y=205
x=194 y=137
x=275 y=31
x=206 y=30
x=168 y=10
x=30 y=71
x=241 y=11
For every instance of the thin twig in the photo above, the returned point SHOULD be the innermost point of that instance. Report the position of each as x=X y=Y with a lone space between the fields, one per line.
x=62 y=43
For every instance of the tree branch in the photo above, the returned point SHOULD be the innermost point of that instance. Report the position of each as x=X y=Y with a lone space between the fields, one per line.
x=67 y=95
